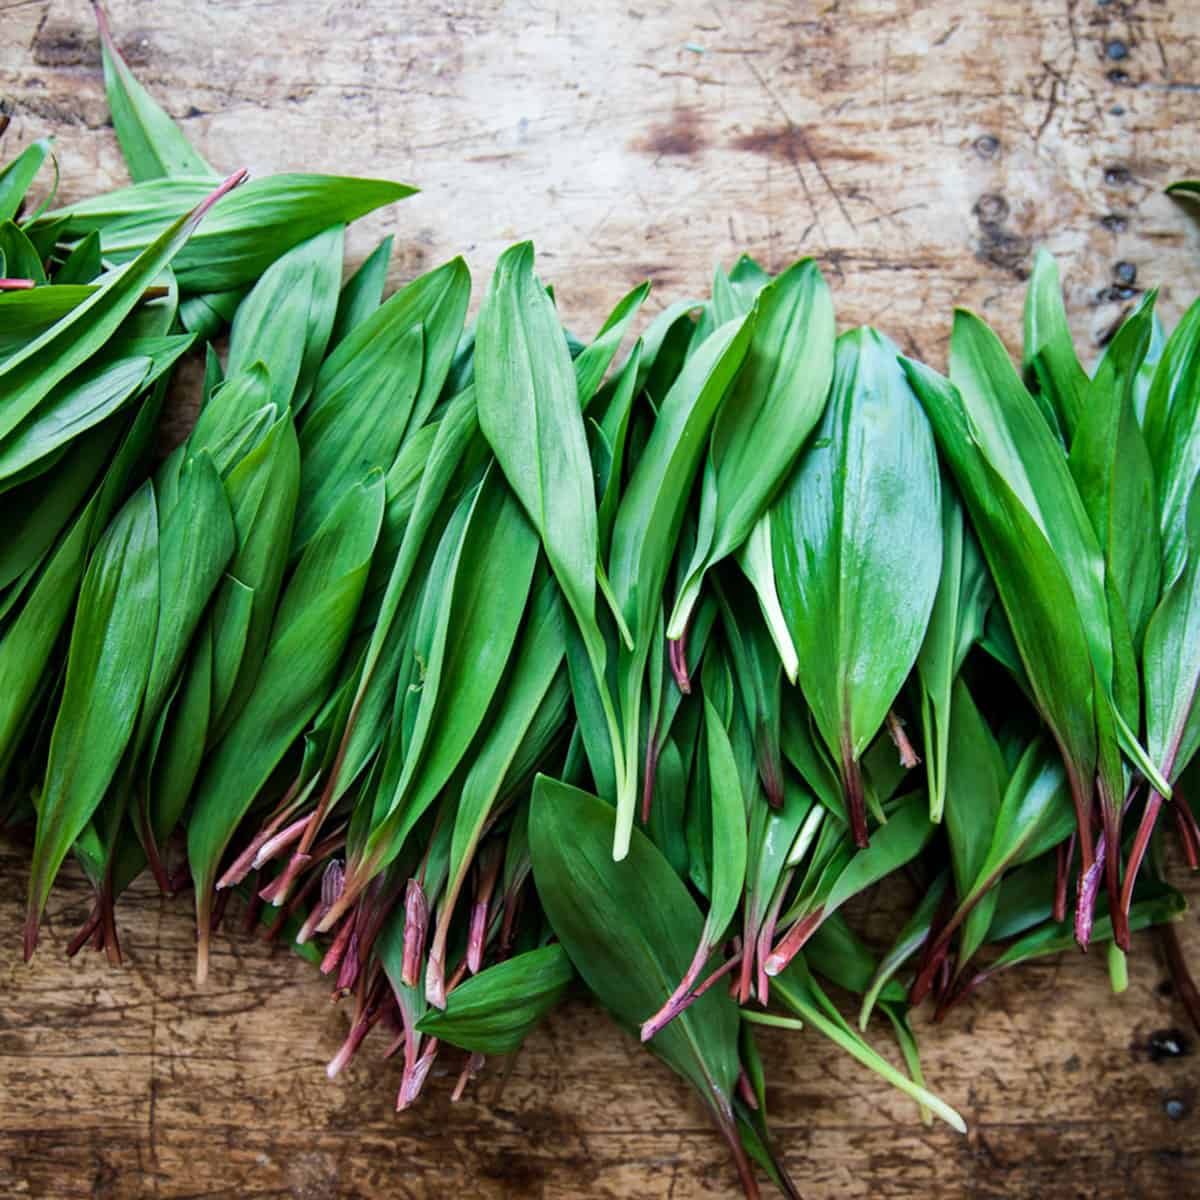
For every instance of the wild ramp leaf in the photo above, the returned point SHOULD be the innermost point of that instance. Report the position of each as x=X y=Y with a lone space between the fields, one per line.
x=907 y=832
x=537 y=663
x=151 y=143
x=960 y=608
x=262 y=490
x=1037 y=596
x=107 y=667
x=630 y=930
x=528 y=402
x=378 y=387
x=1170 y=428
x=90 y=395
x=28 y=376
x=30 y=637
x=362 y=293
x=493 y=1012
x=767 y=416
x=1049 y=355
x=465 y=637
x=648 y=522
x=1111 y=465
x=356 y=424
x=729 y=866
x=858 y=552
x=286 y=318
x=17 y=175
x=315 y=618
x=280 y=212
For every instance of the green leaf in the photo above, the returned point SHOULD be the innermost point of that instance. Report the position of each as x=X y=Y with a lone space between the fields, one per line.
x=17 y=175
x=1171 y=662
x=362 y=293
x=1111 y=465
x=107 y=667
x=152 y=144
x=1049 y=353
x=647 y=526
x=908 y=941
x=196 y=542
x=495 y=1011
x=858 y=550
x=90 y=395
x=594 y=361
x=529 y=413
x=310 y=631
x=763 y=422
x=262 y=491
x=630 y=929
x=29 y=375
x=536 y=666
x=799 y=991
x=18 y=255
x=264 y=220
x=286 y=319
x=355 y=424
x=958 y=619
x=1170 y=424
x=472 y=624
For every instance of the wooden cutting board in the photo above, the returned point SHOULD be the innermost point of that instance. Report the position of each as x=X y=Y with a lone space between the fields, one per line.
x=920 y=152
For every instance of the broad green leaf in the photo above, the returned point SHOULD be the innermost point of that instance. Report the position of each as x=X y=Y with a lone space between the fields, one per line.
x=630 y=929
x=1171 y=662
x=107 y=667
x=769 y=412
x=196 y=542
x=529 y=412
x=355 y=424
x=90 y=395
x=29 y=640
x=474 y=621
x=594 y=361
x=1171 y=423
x=17 y=175
x=269 y=217
x=976 y=779
x=151 y=143
x=1049 y=354
x=495 y=1011
x=958 y=619
x=262 y=491
x=1111 y=466
x=537 y=663
x=315 y=618
x=29 y=375
x=19 y=255
x=858 y=550
x=362 y=293
x=647 y=526
x=286 y=319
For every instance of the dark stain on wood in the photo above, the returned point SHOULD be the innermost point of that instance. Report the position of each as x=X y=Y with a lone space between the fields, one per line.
x=680 y=137
x=791 y=143
x=65 y=46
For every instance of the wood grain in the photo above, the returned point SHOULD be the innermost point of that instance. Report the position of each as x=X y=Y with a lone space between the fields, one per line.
x=920 y=151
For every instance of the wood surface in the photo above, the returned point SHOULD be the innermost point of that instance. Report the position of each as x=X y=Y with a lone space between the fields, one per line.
x=920 y=152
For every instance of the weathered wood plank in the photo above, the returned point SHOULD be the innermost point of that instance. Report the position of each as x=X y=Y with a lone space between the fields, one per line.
x=920 y=151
